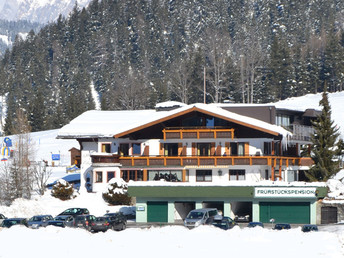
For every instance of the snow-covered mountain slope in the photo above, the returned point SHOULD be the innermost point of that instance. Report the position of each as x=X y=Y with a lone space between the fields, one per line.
x=41 y=11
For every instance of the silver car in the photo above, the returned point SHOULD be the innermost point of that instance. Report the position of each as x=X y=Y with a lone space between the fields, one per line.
x=199 y=217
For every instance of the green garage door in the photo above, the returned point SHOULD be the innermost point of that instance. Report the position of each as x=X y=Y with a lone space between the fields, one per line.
x=288 y=212
x=157 y=212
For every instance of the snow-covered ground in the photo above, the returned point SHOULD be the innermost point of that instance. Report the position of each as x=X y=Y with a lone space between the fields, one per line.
x=166 y=241
x=170 y=241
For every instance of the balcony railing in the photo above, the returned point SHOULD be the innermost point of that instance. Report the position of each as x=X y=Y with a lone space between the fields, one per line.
x=197 y=133
x=301 y=132
x=182 y=161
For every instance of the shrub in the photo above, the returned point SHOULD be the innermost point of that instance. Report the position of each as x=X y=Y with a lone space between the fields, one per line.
x=116 y=193
x=62 y=190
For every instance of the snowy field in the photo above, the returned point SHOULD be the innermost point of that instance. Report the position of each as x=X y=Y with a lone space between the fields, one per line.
x=170 y=241
x=167 y=241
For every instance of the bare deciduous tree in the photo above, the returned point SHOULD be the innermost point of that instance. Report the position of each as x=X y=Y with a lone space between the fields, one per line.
x=181 y=80
x=218 y=52
x=41 y=175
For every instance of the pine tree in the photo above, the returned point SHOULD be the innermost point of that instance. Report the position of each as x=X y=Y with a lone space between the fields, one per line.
x=325 y=144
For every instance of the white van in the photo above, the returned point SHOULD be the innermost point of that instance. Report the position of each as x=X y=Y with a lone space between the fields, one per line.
x=199 y=217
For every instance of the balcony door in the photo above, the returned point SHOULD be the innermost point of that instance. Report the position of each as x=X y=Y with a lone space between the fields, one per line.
x=203 y=149
x=171 y=149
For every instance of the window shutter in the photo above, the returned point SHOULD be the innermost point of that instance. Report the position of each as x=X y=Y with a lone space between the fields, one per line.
x=180 y=149
x=194 y=149
x=247 y=149
x=227 y=144
x=146 y=151
x=212 y=148
x=218 y=150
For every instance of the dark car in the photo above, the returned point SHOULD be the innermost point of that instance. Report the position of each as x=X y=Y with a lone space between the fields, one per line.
x=39 y=221
x=62 y=221
x=100 y=224
x=255 y=224
x=84 y=221
x=7 y=223
x=223 y=222
x=75 y=212
x=309 y=228
x=280 y=226
x=118 y=221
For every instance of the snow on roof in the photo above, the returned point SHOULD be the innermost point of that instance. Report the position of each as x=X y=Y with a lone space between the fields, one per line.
x=170 y=104
x=109 y=123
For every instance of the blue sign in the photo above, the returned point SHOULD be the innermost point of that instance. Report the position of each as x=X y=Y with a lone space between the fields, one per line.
x=55 y=156
x=8 y=142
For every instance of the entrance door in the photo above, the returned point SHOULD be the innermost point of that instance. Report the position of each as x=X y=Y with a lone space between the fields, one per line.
x=157 y=212
x=288 y=212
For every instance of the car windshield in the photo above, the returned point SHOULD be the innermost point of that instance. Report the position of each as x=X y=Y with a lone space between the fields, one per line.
x=35 y=218
x=7 y=223
x=195 y=215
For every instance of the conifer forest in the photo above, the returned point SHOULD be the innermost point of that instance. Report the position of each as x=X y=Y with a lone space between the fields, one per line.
x=136 y=53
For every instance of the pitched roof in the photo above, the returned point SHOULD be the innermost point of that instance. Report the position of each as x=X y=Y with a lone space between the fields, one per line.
x=119 y=123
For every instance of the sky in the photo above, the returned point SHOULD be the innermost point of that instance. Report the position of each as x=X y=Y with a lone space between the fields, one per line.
x=166 y=241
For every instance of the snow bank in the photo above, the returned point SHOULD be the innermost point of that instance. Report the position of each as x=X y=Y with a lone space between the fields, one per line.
x=169 y=242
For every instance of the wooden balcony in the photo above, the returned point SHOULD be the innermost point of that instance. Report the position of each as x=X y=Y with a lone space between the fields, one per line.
x=99 y=158
x=182 y=161
x=198 y=133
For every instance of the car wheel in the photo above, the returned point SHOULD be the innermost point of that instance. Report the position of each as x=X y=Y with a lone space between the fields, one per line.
x=123 y=226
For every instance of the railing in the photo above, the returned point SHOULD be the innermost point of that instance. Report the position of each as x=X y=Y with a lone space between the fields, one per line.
x=301 y=132
x=197 y=133
x=182 y=161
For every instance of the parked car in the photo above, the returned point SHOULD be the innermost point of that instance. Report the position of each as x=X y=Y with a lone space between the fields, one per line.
x=280 y=226
x=242 y=218
x=7 y=223
x=222 y=222
x=255 y=224
x=62 y=221
x=100 y=224
x=39 y=221
x=309 y=228
x=118 y=221
x=199 y=217
x=2 y=218
x=75 y=211
x=84 y=221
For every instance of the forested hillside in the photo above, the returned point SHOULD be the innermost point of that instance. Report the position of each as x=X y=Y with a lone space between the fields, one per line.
x=138 y=53
x=9 y=30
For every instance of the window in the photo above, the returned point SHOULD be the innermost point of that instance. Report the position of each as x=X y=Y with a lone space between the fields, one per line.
x=171 y=149
x=124 y=149
x=110 y=175
x=283 y=120
x=106 y=147
x=203 y=149
x=267 y=148
x=236 y=174
x=203 y=175
x=99 y=177
x=167 y=175
x=237 y=148
x=136 y=148
x=135 y=175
